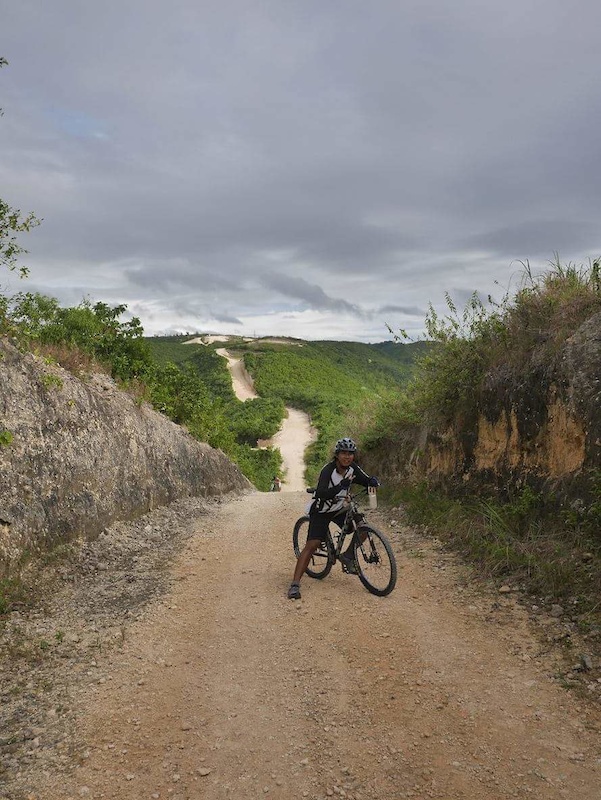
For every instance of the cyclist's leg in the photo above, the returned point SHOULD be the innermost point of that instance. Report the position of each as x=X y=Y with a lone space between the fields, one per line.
x=304 y=558
x=318 y=528
x=350 y=548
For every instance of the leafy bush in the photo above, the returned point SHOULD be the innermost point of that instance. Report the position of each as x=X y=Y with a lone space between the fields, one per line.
x=259 y=465
x=256 y=419
x=465 y=345
x=94 y=329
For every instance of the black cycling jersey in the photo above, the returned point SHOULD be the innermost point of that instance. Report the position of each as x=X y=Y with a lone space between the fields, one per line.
x=329 y=497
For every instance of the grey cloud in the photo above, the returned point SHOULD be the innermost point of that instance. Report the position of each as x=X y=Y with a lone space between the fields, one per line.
x=410 y=311
x=422 y=146
x=227 y=318
x=538 y=237
x=175 y=277
x=312 y=295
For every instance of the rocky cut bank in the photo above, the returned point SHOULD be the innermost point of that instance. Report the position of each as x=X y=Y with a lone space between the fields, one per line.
x=77 y=455
x=537 y=423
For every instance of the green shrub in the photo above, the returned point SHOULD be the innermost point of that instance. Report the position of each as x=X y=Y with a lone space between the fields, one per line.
x=95 y=329
x=52 y=381
x=523 y=541
x=465 y=345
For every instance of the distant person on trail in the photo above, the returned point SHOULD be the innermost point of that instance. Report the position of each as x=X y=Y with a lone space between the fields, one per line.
x=329 y=506
x=276 y=484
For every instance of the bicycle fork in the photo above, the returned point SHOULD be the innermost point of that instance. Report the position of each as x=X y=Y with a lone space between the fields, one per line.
x=369 y=553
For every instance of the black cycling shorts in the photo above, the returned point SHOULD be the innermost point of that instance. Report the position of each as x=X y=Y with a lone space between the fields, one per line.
x=318 y=524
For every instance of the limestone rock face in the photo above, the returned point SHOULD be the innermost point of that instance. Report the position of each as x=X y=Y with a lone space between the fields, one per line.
x=539 y=423
x=78 y=455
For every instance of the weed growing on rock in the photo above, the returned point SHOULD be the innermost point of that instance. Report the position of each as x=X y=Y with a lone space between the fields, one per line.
x=52 y=381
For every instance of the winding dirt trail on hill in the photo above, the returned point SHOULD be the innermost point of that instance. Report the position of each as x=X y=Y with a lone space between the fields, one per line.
x=226 y=689
x=292 y=439
x=241 y=380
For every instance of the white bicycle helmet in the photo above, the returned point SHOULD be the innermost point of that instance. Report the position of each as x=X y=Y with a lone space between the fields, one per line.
x=345 y=444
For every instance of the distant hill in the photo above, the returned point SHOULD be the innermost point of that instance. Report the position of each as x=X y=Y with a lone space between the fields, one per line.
x=383 y=358
x=304 y=366
x=332 y=381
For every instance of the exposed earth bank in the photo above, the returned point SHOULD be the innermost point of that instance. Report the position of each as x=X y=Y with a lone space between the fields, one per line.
x=203 y=680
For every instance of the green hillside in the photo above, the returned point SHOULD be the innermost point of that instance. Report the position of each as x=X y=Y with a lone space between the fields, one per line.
x=211 y=367
x=334 y=382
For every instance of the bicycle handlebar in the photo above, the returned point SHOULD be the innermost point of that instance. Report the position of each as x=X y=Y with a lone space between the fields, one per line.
x=364 y=489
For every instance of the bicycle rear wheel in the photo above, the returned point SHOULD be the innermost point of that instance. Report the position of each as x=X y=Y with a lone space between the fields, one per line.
x=375 y=561
x=322 y=559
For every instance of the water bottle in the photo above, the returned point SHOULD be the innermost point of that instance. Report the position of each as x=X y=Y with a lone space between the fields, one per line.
x=373 y=498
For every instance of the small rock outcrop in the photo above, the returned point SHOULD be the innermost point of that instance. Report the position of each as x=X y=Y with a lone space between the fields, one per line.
x=77 y=455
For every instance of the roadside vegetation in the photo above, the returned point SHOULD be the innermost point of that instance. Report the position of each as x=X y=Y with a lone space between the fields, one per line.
x=527 y=538
x=526 y=542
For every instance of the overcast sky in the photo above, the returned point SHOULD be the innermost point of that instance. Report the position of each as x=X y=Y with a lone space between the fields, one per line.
x=311 y=168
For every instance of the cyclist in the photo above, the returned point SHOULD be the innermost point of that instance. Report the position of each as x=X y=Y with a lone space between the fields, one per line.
x=329 y=506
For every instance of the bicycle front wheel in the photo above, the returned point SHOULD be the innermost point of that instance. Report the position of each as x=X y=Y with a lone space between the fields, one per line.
x=322 y=559
x=375 y=561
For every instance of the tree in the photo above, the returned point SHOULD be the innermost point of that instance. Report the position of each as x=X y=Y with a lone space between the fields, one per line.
x=11 y=223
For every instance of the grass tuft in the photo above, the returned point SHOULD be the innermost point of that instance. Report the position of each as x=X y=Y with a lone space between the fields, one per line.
x=520 y=542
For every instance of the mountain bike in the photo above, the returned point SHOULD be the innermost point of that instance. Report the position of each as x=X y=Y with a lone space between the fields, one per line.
x=373 y=556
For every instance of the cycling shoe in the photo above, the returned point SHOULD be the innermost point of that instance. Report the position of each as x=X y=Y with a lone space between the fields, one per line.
x=348 y=564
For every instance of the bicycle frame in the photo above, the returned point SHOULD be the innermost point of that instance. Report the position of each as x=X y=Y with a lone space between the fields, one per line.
x=373 y=556
x=353 y=520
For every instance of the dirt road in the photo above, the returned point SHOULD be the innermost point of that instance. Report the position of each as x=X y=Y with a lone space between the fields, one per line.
x=241 y=380
x=291 y=440
x=226 y=689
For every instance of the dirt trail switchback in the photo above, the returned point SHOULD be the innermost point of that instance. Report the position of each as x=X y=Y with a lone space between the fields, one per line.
x=291 y=440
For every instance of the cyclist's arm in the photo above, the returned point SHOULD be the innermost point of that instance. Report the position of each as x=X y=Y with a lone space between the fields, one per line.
x=361 y=477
